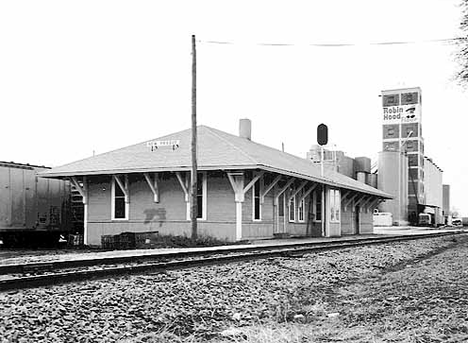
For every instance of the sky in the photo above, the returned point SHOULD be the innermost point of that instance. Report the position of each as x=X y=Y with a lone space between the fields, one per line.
x=84 y=77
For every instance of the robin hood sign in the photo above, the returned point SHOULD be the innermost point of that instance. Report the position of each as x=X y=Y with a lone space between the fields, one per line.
x=402 y=114
x=404 y=107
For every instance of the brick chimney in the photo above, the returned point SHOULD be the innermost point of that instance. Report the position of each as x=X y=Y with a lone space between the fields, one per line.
x=245 y=128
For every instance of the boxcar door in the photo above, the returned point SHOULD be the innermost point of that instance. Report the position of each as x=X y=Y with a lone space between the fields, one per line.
x=18 y=210
x=5 y=198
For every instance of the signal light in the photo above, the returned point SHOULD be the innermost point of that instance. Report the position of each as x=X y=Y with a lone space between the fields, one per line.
x=322 y=134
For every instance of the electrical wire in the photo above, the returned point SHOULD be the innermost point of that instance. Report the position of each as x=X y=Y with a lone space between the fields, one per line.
x=327 y=45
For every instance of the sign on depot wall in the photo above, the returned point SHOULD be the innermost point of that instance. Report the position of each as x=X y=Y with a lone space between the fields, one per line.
x=154 y=145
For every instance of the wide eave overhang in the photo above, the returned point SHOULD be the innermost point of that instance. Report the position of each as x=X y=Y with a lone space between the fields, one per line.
x=324 y=180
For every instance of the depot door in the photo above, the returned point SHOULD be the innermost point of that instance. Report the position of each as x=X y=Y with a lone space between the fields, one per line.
x=314 y=223
x=280 y=226
x=356 y=219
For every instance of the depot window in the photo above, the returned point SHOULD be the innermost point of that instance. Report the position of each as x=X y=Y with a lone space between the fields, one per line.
x=201 y=196
x=292 y=209
x=256 y=205
x=301 y=210
x=335 y=206
x=119 y=203
x=317 y=206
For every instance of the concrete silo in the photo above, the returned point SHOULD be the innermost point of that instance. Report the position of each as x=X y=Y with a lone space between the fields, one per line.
x=393 y=179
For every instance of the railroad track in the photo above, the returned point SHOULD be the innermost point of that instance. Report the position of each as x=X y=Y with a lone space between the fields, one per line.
x=49 y=273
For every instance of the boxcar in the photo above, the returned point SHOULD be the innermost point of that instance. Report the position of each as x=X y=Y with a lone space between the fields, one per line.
x=33 y=210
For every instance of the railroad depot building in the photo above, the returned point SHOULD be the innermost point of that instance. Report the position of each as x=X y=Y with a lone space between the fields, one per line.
x=245 y=190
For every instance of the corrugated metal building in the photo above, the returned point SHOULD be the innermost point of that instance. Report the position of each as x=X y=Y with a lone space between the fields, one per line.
x=246 y=190
x=433 y=190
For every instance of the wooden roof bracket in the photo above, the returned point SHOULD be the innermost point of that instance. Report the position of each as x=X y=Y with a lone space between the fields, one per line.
x=286 y=186
x=373 y=204
x=153 y=185
x=252 y=182
x=269 y=188
x=364 y=197
x=184 y=183
x=307 y=192
x=297 y=190
x=123 y=185
x=82 y=190
x=344 y=195
x=366 y=202
x=349 y=201
x=237 y=182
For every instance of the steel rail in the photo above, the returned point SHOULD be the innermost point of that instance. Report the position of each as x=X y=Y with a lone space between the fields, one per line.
x=111 y=260
x=293 y=250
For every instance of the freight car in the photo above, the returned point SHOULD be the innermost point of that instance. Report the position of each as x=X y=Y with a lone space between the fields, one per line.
x=425 y=219
x=34 y=211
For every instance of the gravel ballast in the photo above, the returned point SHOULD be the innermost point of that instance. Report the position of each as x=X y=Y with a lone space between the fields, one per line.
x=347 y=287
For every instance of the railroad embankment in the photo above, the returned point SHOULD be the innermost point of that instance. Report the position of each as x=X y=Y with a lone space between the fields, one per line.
x=408 y=291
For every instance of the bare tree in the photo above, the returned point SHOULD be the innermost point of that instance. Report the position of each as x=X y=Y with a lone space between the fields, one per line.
x=463 y=45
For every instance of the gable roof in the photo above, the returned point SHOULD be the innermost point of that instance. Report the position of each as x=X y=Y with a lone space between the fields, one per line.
x=215 y=150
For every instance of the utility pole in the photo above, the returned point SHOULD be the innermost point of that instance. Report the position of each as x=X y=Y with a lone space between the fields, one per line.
x=193 y=205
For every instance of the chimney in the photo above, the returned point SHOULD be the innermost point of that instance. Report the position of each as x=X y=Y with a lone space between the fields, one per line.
x=245 y=129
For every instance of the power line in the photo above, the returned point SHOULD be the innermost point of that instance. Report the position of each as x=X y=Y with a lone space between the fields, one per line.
x=327 y=45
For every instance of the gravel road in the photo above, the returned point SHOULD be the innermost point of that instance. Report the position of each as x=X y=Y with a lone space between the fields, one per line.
x=397 y=286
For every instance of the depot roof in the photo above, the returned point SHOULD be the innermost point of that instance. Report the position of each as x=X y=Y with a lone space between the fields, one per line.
x=216 y=150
